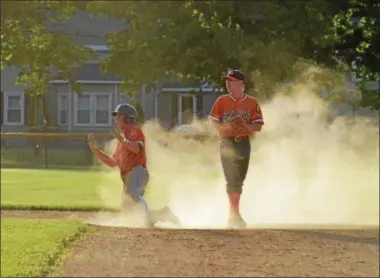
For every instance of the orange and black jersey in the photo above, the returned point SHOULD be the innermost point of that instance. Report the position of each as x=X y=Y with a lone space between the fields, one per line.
x=226 y=107
x=125 y=159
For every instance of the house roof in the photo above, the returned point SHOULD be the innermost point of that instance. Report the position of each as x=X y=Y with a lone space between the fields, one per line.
x=91 y=72
x=85 y=28
x=94 y=72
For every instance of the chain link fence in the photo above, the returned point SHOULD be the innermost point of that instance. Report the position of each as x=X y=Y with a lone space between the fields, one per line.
x=47 y=150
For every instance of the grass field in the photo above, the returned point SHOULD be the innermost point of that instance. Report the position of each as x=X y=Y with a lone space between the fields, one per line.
x=50 y=189
x=79 y=190
x=35 y=248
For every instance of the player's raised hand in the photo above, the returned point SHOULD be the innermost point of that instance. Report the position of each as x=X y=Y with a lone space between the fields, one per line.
x=116 y=133
x=92 y=142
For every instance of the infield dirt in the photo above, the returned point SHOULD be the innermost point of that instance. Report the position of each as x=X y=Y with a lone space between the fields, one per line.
x=134 y=252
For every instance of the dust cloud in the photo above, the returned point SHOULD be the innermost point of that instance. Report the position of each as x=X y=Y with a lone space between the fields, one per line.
x=304 y=170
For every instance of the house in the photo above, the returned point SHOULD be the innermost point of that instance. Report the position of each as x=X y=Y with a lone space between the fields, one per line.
x=170 y=103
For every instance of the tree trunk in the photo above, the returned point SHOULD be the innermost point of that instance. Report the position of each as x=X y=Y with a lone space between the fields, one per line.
x=31 y=103
x=46 y=111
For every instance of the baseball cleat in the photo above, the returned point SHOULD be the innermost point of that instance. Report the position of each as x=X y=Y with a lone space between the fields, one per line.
x=168 y=215
x=149 y=224
x=236 y=222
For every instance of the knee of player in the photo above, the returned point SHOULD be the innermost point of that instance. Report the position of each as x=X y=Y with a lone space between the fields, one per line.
x=234 y=188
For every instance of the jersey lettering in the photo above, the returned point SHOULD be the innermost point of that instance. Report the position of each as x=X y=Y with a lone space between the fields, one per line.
x=226 y=107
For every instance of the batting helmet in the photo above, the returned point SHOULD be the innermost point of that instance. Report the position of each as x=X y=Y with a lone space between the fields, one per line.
x=127 y=110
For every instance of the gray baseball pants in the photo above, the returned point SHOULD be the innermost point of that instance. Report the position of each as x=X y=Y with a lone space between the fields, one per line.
x=134 y=185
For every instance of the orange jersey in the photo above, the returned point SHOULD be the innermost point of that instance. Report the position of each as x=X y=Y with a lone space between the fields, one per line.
x=226 y=107
x=125 y=159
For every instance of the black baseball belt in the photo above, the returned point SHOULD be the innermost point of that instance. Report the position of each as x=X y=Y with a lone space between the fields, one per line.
x=236 y=139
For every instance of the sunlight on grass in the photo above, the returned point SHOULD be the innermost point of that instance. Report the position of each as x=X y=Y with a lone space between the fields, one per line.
x=33 y=247
x=49 y=188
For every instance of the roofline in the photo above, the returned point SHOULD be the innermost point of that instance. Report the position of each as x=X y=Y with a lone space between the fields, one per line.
x=166 y=90
x=190 y=89
x=86 y=82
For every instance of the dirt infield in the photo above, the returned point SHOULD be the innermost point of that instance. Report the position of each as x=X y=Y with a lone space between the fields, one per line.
x=123 y=252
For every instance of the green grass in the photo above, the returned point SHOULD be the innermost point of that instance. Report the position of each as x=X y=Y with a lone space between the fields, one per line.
x=69 y=190
x=51 y=189
x=34 y=248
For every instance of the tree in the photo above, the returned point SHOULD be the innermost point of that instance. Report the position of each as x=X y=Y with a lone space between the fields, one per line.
x=272 y=41
x=197 y=39
x=355 y=38
x=29 y=42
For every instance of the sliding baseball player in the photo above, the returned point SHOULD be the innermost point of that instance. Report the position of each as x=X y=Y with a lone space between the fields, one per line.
x=130 y=158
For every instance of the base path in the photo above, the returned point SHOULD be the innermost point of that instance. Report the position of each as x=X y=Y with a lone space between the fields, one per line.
x=123 y=252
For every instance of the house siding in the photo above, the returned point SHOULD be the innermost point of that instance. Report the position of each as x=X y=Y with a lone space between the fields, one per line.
x=8 y=80
x=164 y=110
x=208 y=101
x=8 y=84
x=1 y=108
x=89 y=30
x=148 y=106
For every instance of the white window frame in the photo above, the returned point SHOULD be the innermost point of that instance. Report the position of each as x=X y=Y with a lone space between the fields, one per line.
x=59 y=104
x=98 y=48
x=93 y=109
x=6 y=108
x=110 y=105
x=76 y=101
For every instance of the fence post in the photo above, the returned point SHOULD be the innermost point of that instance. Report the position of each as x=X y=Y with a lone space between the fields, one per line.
x=45 y=144
x=89 y=154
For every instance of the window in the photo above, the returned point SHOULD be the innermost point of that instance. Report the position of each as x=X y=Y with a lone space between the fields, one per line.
x=93 y=109
x=99 y=48
x=102 y=112
x=63 y=102
x=13 y=108
x=84 y=110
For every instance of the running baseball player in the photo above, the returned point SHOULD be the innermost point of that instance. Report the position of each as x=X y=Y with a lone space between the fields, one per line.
x=236 y=116
x=130 y=158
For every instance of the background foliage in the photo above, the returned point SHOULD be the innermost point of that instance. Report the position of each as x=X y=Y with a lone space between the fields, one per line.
x=272 y=41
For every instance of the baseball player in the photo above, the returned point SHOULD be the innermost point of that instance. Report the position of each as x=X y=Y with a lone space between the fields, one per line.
x=236 y=116
x=130 y=158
